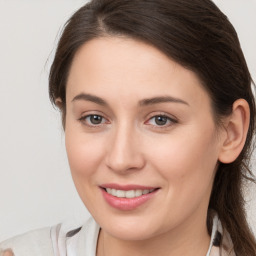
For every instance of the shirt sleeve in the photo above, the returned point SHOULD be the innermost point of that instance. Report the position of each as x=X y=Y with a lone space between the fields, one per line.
x=37 y=242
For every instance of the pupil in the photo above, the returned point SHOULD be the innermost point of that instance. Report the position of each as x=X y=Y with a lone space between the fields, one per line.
x=95 y=119
x=161 y=120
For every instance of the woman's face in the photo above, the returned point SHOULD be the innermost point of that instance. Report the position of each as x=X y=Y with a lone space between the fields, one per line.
x=141 y=140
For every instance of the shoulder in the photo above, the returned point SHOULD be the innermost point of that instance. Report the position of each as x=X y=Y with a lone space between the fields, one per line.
x=78 y=241
x=36 y=242
x=61 y=239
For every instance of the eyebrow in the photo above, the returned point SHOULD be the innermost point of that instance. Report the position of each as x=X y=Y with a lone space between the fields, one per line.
x=161 y=99
x=144 y=102
x=89 y=97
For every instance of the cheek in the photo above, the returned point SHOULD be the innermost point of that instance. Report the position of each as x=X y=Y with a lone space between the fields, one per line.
x=186 y=163
x=187 y=159
x=84 y=154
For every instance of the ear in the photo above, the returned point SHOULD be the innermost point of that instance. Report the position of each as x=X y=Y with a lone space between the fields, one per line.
x=236 y=132
x=58 y=103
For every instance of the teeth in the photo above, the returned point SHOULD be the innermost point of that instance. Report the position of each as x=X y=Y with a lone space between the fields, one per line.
x=120 y=193
x=129 y=193
x=146 y=191
x=138 y=193
x=113 y=192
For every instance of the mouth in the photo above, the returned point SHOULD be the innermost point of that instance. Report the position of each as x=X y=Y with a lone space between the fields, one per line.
x=128 y=193
x=127 y=197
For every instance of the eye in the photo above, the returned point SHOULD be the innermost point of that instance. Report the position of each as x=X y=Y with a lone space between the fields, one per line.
x=161 y=120
x=93 y=120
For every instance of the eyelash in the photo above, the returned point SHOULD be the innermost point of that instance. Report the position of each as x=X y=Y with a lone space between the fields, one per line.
x=168 y=119
x=83 y=120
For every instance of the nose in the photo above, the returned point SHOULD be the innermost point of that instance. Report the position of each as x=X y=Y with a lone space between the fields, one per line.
x=125 y=151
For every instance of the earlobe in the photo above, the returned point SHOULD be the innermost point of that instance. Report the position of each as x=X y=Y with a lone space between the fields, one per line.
x=236 y=132
x=58 y=103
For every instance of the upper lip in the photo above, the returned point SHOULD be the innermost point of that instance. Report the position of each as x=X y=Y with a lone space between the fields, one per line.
x=126 y=187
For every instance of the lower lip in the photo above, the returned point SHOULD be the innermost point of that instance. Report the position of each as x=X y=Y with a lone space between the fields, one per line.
x=127 y=204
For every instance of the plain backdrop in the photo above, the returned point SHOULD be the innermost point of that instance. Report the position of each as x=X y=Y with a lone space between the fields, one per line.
x=36 y=187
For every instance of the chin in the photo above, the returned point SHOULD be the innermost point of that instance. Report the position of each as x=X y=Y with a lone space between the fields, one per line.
x=131 y=228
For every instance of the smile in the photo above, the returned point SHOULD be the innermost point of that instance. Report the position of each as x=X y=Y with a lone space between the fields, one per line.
x=127 y=197
x=129 y=193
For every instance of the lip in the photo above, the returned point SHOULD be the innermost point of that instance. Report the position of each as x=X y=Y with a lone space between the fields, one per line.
x=126 y=187
x=126 y=204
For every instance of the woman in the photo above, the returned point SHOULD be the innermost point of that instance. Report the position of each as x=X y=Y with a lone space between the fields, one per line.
x=159 y=118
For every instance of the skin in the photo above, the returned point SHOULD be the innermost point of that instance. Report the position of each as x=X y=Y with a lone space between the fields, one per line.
x=7 y=253
x=130 y=147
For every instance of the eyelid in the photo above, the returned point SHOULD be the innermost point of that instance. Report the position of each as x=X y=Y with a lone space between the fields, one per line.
x=85 y=115
x=172 y=119
x=161 y=113
x=91 y=113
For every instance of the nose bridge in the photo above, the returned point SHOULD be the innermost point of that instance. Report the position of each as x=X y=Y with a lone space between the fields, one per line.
x=123 y=151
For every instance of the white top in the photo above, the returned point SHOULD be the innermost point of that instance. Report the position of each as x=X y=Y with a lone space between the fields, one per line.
x=56 y=241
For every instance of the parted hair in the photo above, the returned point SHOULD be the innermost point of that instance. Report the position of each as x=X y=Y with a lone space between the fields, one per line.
x=198 y=36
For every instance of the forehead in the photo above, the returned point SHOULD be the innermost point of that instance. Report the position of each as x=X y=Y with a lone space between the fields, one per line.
x=128 y=69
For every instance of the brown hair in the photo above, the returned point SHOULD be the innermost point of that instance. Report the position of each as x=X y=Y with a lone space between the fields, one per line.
x=197 y=35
